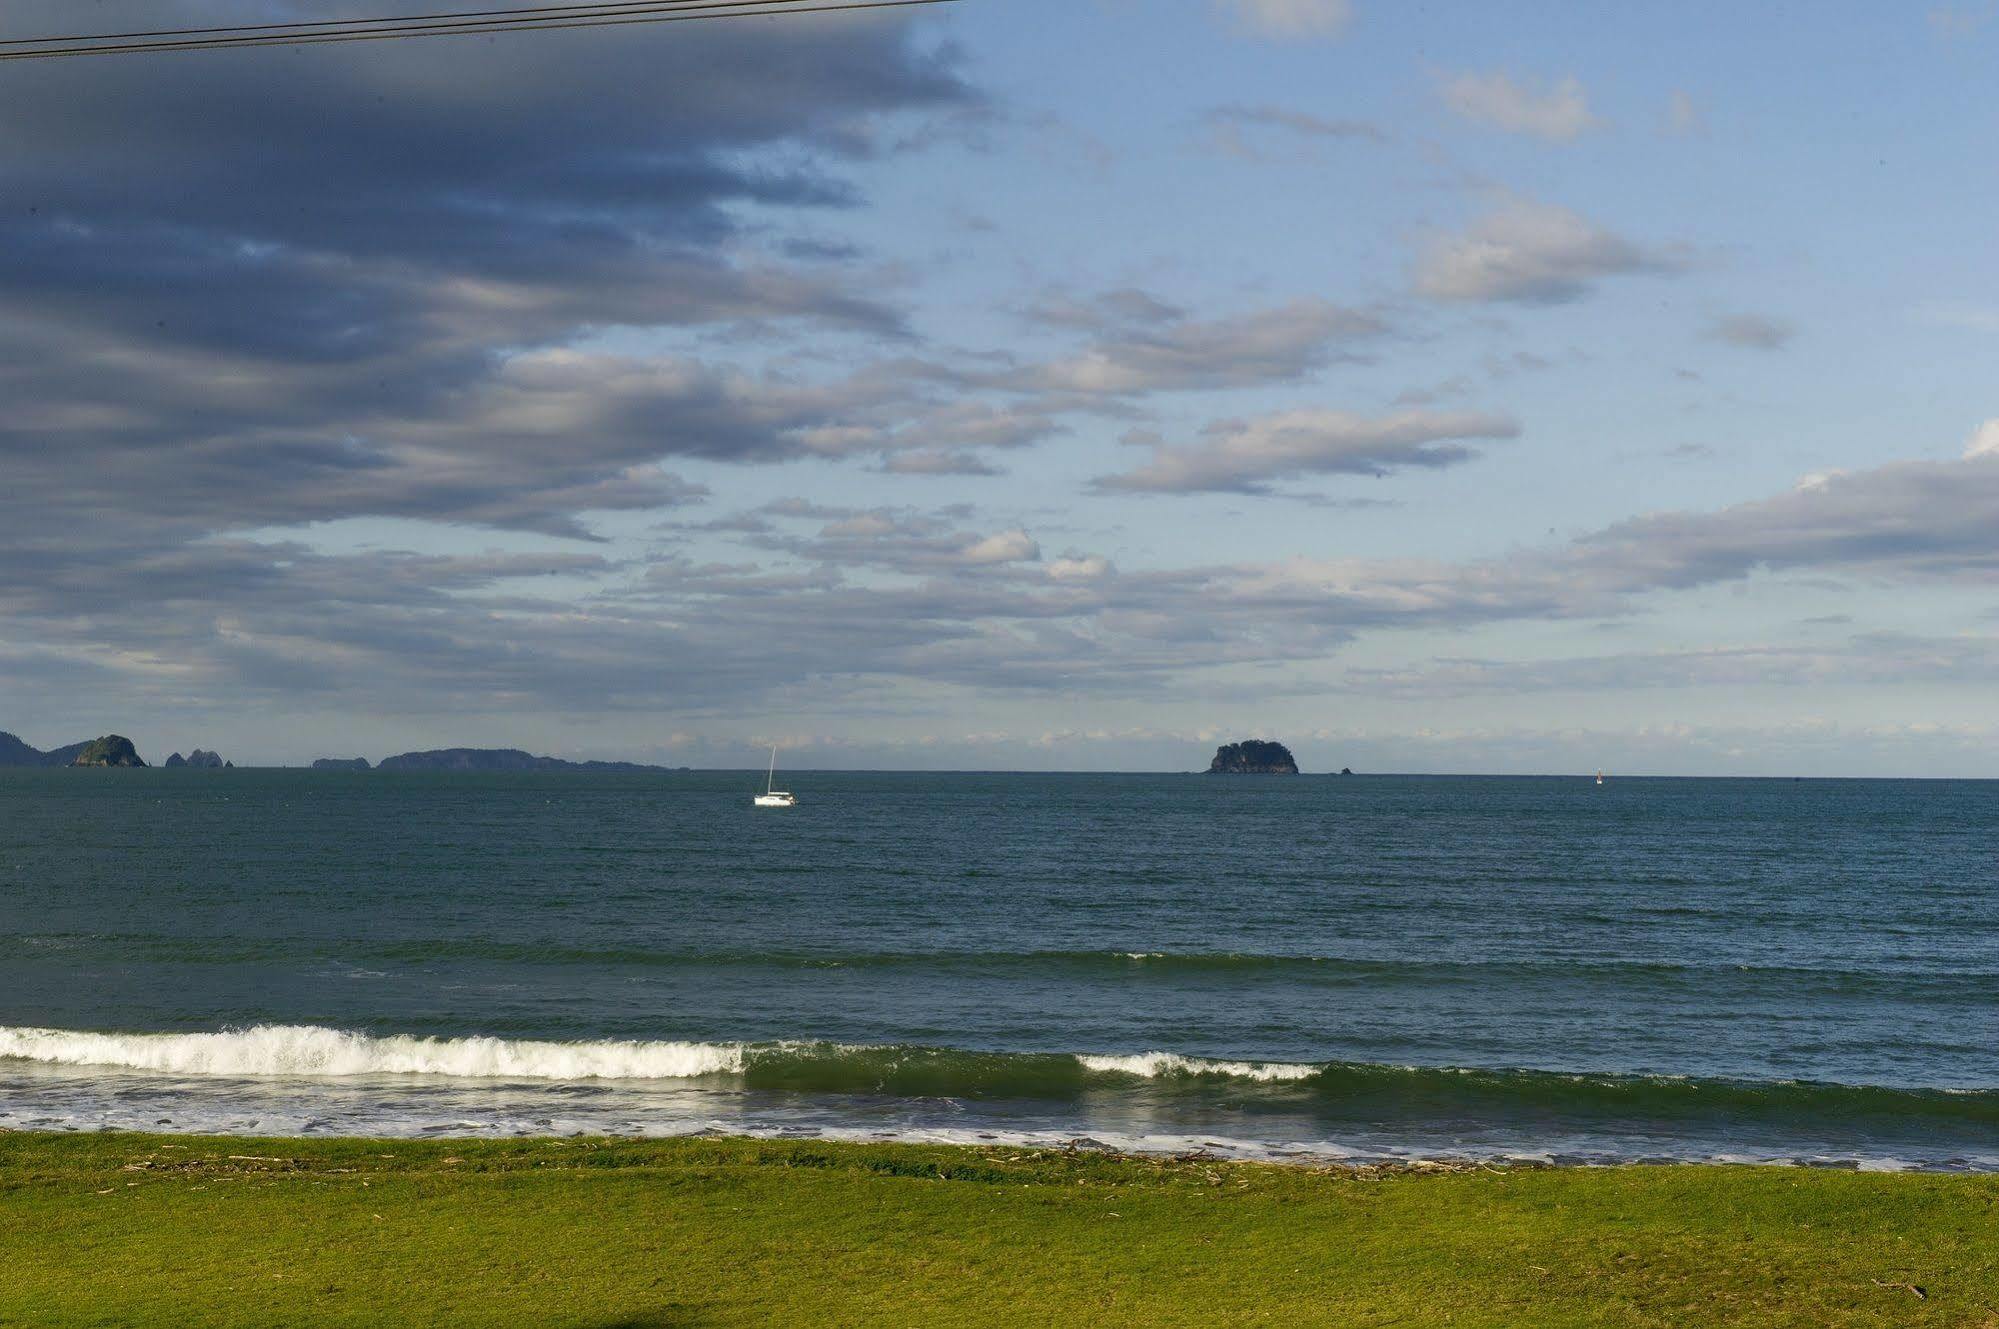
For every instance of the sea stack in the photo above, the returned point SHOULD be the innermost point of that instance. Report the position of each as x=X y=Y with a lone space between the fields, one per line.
x=1253 y=756
x=111 y=750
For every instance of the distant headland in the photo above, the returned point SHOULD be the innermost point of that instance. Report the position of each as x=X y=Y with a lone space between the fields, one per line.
x=484 y=759
x=110 y=750
x=1253 y=756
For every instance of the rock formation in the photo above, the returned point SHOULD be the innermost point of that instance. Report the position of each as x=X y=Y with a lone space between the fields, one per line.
x=111 y=750
x=1253 y=757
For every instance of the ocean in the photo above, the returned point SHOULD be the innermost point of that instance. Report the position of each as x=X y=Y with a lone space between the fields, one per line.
x=1321 y=967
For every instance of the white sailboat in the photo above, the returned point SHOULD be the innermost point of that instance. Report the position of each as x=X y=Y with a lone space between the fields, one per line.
x=1599 y=776
x=772 y=796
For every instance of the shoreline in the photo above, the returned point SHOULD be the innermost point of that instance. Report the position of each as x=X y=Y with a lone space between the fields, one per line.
x=226 y=1231
x=313 y=1082
x=1314 y=1156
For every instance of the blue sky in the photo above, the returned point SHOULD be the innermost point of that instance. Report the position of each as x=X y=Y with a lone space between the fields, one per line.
x=1482 y=387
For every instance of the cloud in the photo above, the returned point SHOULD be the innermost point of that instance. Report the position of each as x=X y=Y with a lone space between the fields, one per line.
x=1984 y=441
x=1170 y=353
x=1290 y=18
x=1244 y=456
x=1231 y=129
x=1954 y=22
x=932 y=461
x=1683 y=114
x=1759 y=332
x=902 y=540
x=1079 y=567
x=384 y=322
x=1558 y=113
x=1529 y=253
x=1907 y=520
x=1125 y=306
x=863 y=601
x=1906 y=523
x=1006 y=547
x=1866 y=659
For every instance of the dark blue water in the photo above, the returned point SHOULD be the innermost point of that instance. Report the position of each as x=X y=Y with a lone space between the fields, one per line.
x=1370 y=965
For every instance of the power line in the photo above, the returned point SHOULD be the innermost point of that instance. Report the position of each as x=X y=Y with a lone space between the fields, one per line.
x=463 y=23
x=525 y=14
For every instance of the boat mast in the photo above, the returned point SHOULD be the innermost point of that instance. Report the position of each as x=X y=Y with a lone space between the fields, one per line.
x=770 y=781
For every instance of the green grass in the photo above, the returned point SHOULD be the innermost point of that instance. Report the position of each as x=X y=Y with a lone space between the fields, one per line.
x=141 y=1230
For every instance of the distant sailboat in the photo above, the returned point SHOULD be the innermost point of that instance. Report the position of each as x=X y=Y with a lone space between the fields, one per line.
x=1599 y=776
x=772 y=796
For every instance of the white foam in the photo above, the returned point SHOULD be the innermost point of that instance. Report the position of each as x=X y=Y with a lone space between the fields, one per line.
x=310 y=1050
x=1155 y=1065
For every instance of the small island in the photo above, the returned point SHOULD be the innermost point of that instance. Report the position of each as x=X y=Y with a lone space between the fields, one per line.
x=341 y=764
x=111 y=750
x=1253 y=756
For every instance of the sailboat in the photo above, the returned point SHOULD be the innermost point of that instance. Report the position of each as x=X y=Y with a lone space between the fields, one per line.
x=1599 y=776
x=772 y=796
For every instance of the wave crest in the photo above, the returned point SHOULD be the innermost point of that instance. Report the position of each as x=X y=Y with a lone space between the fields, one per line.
x=311 y=1050
x=1164 y=1065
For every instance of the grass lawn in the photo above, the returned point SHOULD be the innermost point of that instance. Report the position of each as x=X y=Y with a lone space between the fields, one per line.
x=188 y=1231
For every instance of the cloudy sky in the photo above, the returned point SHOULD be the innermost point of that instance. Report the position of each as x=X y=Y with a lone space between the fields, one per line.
x=1064 y=384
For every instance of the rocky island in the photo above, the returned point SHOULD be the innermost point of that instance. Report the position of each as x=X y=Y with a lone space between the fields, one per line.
x=111 y=750
x=1253 y=756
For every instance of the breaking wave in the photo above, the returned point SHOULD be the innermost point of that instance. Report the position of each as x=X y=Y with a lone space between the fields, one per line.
x=1329 y=1093
x=310 y=1050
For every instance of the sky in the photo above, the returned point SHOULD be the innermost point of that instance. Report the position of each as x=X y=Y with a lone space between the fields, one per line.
x=1015 y=384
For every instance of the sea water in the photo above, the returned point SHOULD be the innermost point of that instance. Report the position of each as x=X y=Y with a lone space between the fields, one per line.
x=1369 y=967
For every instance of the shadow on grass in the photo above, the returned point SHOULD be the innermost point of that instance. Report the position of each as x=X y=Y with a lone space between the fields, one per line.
x=666 y=1317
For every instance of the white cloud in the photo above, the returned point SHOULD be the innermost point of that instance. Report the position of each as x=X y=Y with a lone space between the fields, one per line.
x=1530 y=253
x=1079 y=567
x=1006 y=547
x=1242 y=456
x=1984 y=441
x=1291 y=18
x=1275 y=345
x=1558 y=113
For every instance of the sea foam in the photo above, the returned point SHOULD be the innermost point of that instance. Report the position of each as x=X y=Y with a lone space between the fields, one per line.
x=311 y=1050
x=1159 y=1065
